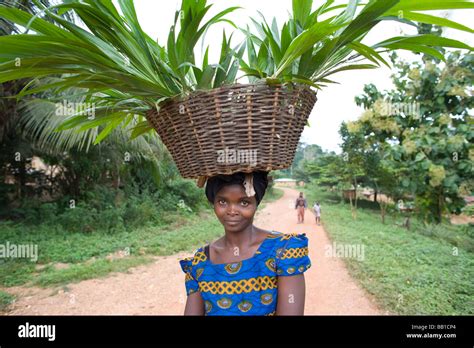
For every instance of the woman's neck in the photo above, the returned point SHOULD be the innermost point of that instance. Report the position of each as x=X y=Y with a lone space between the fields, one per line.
x=240 y=239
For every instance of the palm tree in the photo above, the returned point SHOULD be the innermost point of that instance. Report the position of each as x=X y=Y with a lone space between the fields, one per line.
x=39 y=119
x=29 y=125
x=8 y=112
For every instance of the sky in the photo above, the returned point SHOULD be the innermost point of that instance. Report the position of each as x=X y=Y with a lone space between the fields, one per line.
x=335 y=103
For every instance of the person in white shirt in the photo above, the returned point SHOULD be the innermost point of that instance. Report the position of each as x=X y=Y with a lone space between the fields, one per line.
x=317 y=212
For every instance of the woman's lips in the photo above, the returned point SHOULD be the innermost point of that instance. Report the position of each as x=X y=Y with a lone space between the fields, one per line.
x=228 y=222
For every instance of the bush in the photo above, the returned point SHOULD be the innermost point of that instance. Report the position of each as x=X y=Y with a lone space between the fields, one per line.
x=111 y=210
x=187 y=191
x=47 y=212
x=81 y=218
x=141 y=210
x=101 y=197
x=468 y=210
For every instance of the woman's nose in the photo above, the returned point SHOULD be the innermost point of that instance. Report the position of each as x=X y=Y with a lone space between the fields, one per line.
x=232 y=210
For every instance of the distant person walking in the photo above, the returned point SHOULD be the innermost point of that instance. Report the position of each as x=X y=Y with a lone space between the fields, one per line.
x=317 y=213
x=300 y=207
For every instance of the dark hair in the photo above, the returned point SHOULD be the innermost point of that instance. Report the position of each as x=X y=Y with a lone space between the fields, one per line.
x=215 y=183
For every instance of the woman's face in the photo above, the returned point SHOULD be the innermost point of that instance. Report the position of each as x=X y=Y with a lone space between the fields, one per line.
x=233 y=208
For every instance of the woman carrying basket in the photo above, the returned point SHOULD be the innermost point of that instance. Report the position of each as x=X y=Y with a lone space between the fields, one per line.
x=248 y=271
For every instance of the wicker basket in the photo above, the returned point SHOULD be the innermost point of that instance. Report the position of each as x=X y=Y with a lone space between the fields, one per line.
x=234 y=128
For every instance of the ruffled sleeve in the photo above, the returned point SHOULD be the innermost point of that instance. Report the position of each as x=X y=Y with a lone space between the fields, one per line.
x=189 y=281
x=292 y=255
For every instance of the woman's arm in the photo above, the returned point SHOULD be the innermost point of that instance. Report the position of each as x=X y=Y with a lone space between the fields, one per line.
x=194 y=304
x=291 y=295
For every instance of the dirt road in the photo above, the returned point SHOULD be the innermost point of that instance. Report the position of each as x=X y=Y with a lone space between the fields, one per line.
x=158 y=288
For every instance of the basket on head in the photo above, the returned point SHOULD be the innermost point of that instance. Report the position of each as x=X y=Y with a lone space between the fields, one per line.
x=236 y=128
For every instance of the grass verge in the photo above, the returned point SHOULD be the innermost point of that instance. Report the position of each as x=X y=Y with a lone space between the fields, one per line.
x=427 y=270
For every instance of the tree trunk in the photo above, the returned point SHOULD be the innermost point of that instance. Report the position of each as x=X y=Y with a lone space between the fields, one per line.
x=22 y=174
x=407 y=223
x=355 y=198
x=353 y=211
x=383 y=210
x=440 y=208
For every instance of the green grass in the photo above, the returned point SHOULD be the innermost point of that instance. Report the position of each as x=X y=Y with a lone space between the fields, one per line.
x=174 y=233
x=95 y=269
x=177 y=233
x=422 y=271
x=5 y=300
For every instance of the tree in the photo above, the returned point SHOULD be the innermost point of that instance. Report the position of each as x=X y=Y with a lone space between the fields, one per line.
x=379 y=172
x=306 y=153
x=27 y=129
x=353 y=154
x=424 y=122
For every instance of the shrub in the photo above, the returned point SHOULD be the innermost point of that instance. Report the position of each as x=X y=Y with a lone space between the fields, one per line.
x=187 y=191
x=81 y=218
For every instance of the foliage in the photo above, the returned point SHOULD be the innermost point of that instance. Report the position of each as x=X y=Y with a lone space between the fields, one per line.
x=310 y=47
x=124 y=73
x=86 y=255
x=424 y=271
x=424 y=124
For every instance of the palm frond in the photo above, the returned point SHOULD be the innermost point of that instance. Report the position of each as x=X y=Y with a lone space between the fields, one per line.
x=313 y=49
x=114 y=65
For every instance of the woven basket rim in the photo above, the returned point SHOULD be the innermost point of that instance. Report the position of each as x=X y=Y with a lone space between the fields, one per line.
x=164 y=115
x=198 y=93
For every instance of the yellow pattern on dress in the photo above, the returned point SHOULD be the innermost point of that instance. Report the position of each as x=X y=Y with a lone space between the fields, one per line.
x=224 y=303
x=233 y=268
x=270 y=263
x=200 y=256
x=238 y=286
x=207 y=306
x=287 y=236
x=293 y=253
x=266 y=299
x=245 y=306
x=188 y=277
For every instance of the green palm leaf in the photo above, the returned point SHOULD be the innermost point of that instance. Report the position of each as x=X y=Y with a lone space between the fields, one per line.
x=314 y=49
x=114 y=64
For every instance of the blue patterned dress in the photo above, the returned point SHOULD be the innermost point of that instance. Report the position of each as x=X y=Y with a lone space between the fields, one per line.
x=250 y=286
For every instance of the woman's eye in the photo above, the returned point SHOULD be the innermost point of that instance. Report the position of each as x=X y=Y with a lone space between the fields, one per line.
x=223 y=202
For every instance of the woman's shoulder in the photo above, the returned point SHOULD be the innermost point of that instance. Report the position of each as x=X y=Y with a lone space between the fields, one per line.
x=292 y=254
x=188 y=263
x=281 y=242
x=291 y=238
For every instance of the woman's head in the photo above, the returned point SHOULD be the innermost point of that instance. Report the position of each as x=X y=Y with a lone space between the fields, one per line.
x=229 y=195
